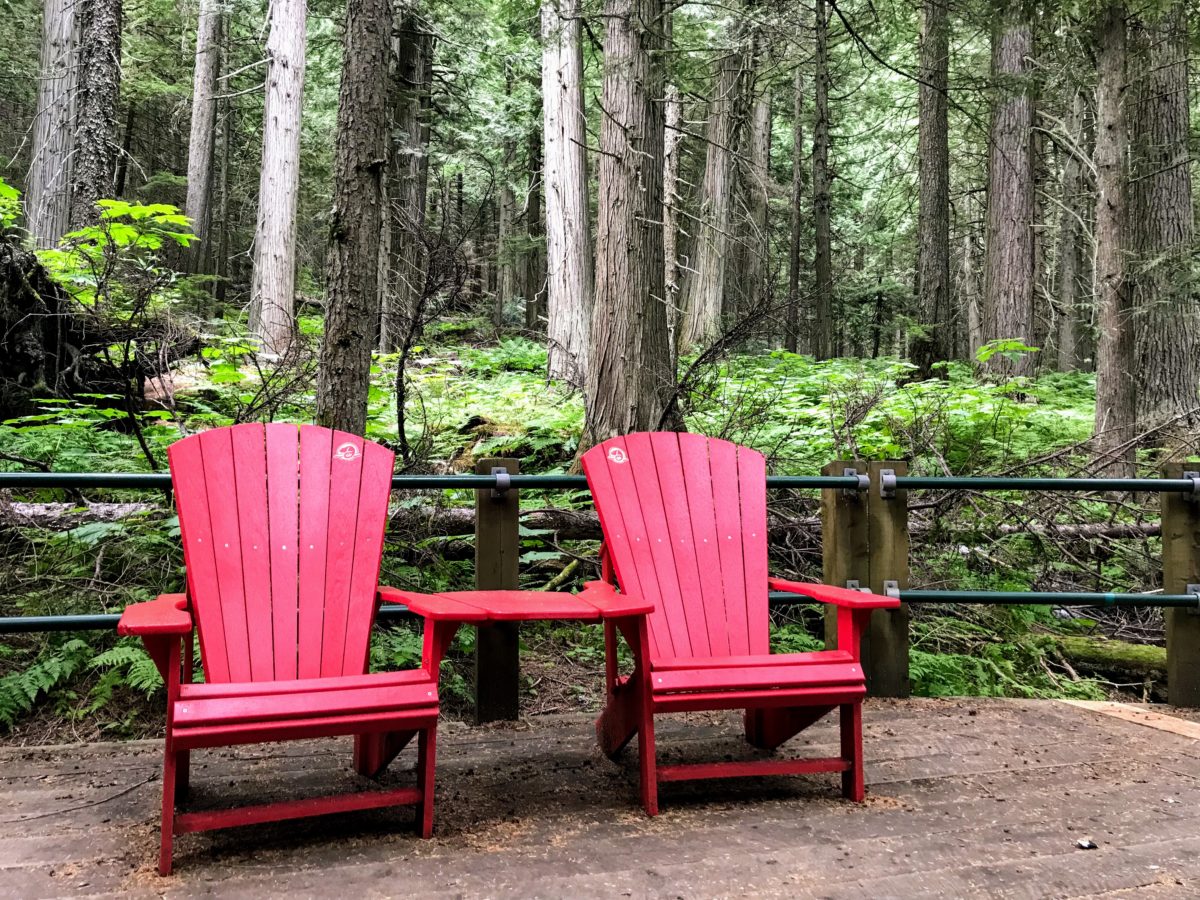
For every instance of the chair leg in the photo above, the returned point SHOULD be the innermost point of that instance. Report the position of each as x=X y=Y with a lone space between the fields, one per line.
x=647 y=762
x=426 y=762
x=853 y=783
x=167 y=829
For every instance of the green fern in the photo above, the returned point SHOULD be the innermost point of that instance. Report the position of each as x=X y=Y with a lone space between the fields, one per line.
x=134 y=664
x=20 y=690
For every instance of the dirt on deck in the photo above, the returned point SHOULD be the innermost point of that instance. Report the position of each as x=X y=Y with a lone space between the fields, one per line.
x=966 y=798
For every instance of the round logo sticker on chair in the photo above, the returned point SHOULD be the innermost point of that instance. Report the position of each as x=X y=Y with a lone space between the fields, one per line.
x=617 y=455
x=347 y=452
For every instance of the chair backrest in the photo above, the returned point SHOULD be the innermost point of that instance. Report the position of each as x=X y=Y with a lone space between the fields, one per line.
x=282 y=530
x=685 y=525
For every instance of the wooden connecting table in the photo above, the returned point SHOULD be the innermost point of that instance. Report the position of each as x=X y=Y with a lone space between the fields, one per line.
x=597 y=602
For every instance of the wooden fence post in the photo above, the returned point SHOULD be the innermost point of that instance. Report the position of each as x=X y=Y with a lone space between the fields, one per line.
x=497 y=554
x=1181 y=568
x=844 y=548
x=885 y=645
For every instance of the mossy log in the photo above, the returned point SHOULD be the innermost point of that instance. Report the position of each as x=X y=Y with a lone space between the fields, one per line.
x=1118 y=660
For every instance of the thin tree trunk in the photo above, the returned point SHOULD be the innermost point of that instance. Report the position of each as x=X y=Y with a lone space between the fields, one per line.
x=799 y=183
x=673 y=142
x=506 y=257
x=822 y=331
x=273 y=292
x=568 y=229
x=352 y=301
x=1163 y=232
x=630 y=382
x=704 y=286
x=1009 y=252
x=202 y=139
x=1114 y=357
x=933 y=223
x=404 y=216
x=758 y=190
x=1069 y=244
x=534 y=289
x=48 y=196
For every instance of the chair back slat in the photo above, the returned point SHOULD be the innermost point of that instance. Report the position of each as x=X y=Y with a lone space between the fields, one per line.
x=684 y=520
x=283 y=536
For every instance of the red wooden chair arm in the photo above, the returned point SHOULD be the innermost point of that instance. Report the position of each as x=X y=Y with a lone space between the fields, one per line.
x=167 y=614
x=836 y=596
x=433 y=606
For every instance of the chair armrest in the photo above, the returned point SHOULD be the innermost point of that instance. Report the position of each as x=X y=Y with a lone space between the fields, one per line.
x=167 y=614
x=433 y=606
x=837 y=596
x=611 y=604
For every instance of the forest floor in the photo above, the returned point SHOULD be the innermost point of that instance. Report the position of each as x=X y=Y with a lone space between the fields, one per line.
x=966 y=798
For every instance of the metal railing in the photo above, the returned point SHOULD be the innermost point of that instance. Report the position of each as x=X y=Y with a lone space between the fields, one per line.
x=865 y=516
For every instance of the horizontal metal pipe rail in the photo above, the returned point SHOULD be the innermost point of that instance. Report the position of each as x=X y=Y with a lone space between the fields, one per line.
x=154 y=481
x=1052 y=598
x=162 y=481
x=396 y=612
x=1083 y=485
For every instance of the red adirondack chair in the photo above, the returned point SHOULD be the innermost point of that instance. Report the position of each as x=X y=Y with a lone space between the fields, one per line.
x=282 y=529
x=685 y=526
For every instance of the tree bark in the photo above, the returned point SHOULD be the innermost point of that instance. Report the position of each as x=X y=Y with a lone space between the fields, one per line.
x=506 y=257
x=533 y=276
x=202 y=140
x=934 y=344
x=1114 y=386
x=408 y=171
x=360 y=156
x=704 y=286
x=630 y=381
x=1163 y=287
x=568 y=230
x=822 y=330
x=1070 y=230
x=93 y=172
x=672 y=201
x=48 y=195
x=1009 y=252
x=758 y=192
x=273 y=291
x=799 y=183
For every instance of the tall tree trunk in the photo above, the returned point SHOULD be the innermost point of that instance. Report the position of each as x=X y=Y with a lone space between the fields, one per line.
x=568 y=229
x=933 y=223
x=404 y=217
x=352 y=285
x=93 y=173
x=273 y=292
x=1009 y=252
x=673 y=143
x=822 y=330
x=1163 y=232
x=534 y=270
x=48 y=196
x=758 y=193
x=506 y=257
x=630 y=382
x=1114 y=357
x=799 y=183
x=704 y=286
x=1070 y=230
x=202 y=139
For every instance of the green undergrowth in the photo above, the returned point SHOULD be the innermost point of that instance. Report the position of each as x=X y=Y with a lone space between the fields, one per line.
x=471 y=401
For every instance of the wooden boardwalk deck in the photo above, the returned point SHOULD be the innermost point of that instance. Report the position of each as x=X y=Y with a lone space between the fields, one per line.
x=967 y=798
